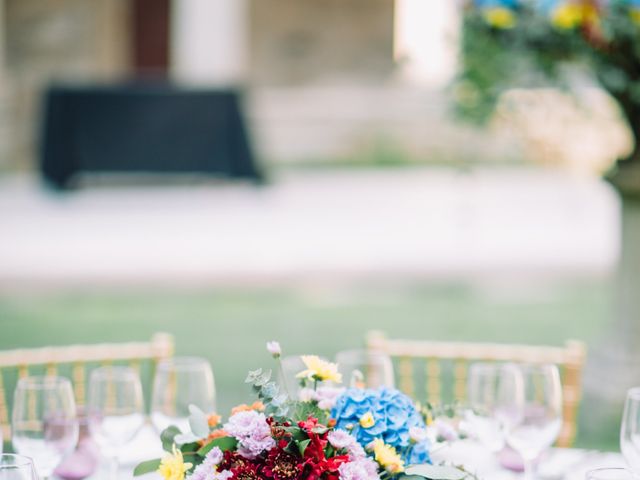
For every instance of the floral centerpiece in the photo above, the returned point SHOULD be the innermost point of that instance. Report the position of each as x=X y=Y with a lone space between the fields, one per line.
x=524 y=43
x=328 y=434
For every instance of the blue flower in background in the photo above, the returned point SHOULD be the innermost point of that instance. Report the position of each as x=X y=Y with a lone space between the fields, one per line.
x=496 y=3
x=381 y=413
x=419 y=453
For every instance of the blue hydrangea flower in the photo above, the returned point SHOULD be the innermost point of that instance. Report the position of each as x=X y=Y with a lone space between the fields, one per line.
x=393 y=415
x=419 y=453
x=496 y=3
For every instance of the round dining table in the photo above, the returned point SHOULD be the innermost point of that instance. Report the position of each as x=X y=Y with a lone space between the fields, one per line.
x=557 y=463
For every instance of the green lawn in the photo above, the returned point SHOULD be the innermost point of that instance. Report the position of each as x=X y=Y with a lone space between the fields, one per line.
x=230 y=327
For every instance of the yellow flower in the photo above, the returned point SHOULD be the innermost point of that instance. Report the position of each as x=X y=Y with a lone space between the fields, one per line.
x=387 y=457
x=429 y=418
x=318 y=369
x=634 y=13
x=572 y=15
x=367 y=420
x=173 y=466
x=499 y=17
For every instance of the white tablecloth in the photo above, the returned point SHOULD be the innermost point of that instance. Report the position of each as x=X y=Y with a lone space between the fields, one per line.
x=558 y=464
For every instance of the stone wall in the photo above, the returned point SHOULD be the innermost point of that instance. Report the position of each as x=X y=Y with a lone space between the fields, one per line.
x=53 y=40
x=301 y=42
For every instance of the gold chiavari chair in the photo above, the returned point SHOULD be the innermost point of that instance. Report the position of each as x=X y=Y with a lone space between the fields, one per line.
x=75 y=362
x=420 y=367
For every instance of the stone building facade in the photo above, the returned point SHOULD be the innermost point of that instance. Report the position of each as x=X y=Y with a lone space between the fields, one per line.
x=321 y=78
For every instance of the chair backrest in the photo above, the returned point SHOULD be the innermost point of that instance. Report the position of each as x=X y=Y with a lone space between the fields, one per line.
x=426 y=360
x=75 y=362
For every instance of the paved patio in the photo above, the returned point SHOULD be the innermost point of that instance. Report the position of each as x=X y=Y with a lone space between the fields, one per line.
x=374 y=224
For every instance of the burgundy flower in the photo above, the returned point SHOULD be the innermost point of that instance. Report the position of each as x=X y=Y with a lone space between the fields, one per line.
x=282 y=465
x=247 y=471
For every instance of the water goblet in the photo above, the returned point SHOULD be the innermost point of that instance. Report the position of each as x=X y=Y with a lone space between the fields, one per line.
x=178 y=383
x=115 y=410
x=365 y=369
x=630 y=430
x=491 y=388
x=44 y=422
x=538 y=416
x=16 y=467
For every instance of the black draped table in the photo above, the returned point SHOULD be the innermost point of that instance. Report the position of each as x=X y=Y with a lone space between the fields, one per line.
x=143 y=128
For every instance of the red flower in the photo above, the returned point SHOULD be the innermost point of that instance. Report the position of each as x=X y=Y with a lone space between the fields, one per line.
x=316 y=464
x=231 y=460
x=282 y=465
x=247 y=471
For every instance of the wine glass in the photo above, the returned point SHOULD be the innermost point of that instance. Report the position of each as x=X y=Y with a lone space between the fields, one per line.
x=630 y=430
x=491 y=391
x=44 y=422
x=178 y=383
x=115 y=410
x=365 y=369
x=537 y=420
x=611 y=474
x=16 y=467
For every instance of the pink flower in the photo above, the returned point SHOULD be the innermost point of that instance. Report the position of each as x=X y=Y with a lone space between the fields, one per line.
x=340 y=439
x=274 y=349
x=207 y=469
x=252 y=431
x=361 y=469
x=327 y=396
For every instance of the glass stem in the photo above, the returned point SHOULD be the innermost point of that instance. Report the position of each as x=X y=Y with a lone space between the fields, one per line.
x=113 y=467
x=528 y=469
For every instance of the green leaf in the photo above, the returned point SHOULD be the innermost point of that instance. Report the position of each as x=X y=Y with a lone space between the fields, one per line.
x=146 y=467
x=269 y=391
x=167 y=437
x=302 y=446
x=263 y=379
x=436 y=472
x=253 y=375
x=198 y=422
x=223 y=443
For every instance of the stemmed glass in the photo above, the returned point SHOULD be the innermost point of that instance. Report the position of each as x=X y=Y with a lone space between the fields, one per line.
x=16 y=467
x=611 y=474
x=178 y=383
x=630 y=429
x=492 y=394
x=115 y=410
x=365 y=369
x=44 y=423
x=538 y=417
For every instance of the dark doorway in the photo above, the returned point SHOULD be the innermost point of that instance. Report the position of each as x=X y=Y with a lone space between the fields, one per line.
x=150 y=37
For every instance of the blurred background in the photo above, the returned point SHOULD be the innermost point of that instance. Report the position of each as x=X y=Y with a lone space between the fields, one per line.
x=363 y=202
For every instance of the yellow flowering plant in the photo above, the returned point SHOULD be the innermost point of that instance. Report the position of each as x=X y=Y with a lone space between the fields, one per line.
x=528 y=43
x=319 y=370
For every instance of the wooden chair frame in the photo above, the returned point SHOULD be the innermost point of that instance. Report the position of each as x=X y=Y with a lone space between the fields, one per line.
x=78 y=357
x=570 y=360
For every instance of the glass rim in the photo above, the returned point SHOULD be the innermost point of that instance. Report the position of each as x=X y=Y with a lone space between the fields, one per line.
x=184 y=363
x=24 y=461
x=596 y=471
x=110 y=370
x=486 y=366
x=533 y=365
x=43 y=382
